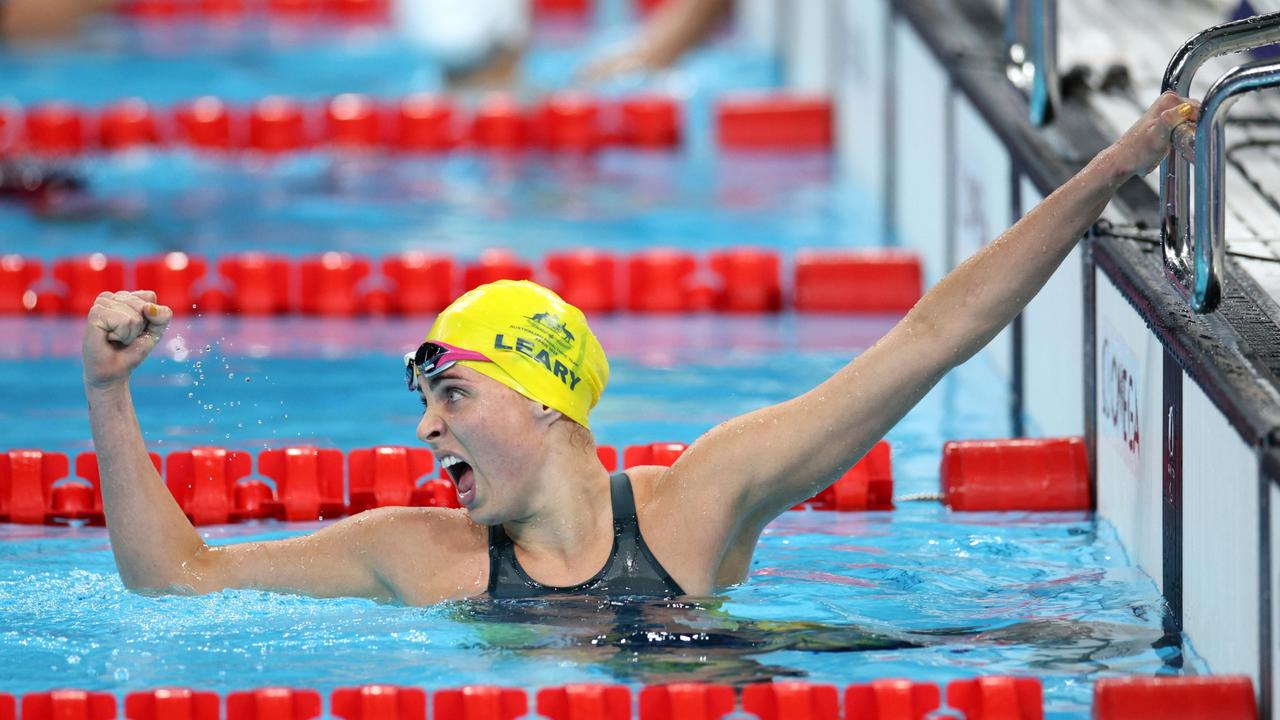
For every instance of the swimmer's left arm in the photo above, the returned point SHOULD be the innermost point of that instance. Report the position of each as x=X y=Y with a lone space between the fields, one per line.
x=758 y=465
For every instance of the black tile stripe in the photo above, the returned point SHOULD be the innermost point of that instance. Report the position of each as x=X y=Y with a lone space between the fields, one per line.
x=1016 y=375
x=1268 y=472
x=1171 y=493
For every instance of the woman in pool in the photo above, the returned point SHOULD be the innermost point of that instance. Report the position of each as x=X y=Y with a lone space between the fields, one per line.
x=507 y=377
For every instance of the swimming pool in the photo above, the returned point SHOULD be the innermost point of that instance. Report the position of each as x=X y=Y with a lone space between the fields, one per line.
x=834 y=597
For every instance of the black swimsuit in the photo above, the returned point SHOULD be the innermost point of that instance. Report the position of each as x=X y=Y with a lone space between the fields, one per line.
x=630 y=570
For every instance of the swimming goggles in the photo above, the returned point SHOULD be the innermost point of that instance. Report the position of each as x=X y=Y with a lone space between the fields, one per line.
x=433 y=358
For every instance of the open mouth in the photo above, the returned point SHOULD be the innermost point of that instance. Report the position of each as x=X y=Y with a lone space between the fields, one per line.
x=463 y=477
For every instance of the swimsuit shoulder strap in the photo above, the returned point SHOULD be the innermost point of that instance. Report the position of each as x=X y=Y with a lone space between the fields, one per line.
x=501 y=556
x=624 y=502
x=632 y=556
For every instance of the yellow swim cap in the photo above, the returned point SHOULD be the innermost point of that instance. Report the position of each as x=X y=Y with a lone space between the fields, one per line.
x=540 y=345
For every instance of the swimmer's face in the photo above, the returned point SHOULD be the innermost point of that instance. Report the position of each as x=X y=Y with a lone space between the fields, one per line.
x=495 y=436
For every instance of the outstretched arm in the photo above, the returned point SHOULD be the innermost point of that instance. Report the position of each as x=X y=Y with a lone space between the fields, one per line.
x=675 y=26
x=764 y=462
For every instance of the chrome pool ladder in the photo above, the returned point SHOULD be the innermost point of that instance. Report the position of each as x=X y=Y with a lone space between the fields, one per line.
x=1193 y=263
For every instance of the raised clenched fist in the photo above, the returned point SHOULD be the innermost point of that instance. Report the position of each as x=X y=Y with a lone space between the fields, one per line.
x=122 y=330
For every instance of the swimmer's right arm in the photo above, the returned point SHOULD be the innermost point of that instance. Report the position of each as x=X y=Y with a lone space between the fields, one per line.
x=155 y=546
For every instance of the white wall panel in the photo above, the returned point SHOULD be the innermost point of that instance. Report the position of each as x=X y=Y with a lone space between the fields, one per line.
x=1053 y=345
x=920 y=100
x=1130 y=402
x=982 y=207
x=757 y=20
x=1219 y=538
x=861 y=95
x=807 y=44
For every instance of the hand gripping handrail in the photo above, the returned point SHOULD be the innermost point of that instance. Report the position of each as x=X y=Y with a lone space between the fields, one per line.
x=1196 y=271
x=1205 y=271
x=1033 y=60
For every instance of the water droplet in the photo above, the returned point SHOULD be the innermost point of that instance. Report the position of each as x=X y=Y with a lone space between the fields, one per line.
x=121 y=675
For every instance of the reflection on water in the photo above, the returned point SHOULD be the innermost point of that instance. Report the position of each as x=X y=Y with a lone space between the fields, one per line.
x=640 y=640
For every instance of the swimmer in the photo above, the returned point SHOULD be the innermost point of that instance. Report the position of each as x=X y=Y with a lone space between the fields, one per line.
x=507 y=377
x=44 y=19
x=478 y=43
x=674 y=28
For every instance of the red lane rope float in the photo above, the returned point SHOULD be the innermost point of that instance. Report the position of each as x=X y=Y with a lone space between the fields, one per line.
x=173 y=277
x=379 y=702
x=355 y=11
x=59 y=704
x=792 y=701
x=420 y=283
x=584 y=277
x=203 y=481
x=997 y=698
x=495 y=265
x=657 y=280
x=55 y=128
x=561 y=7
x=17 y=276
x=479 y=702
x=203 y=123
x=650 y=122
x=125 y=124
x=868 y=485
x=353 y=120
x=426 y=123
x=891 y=700
x=273 y=704
x=309 y=482
x=774 y=121
x=382 y=476
x=686 y=701
x=857 y=281
x=9 y=122
x=663 y=280
x=87 y=277
x=596 y=701
x=986 y=698
x=214 y=485
x=172 y=704
x=329 y=284
x=277 y=125
x=1019 y=474
x=260 y=283
x=570 y=122
x=1221 y=697
x=26 y=484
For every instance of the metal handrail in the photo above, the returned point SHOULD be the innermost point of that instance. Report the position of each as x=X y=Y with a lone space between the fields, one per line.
x=1198 y=276
x=1033 y=61
x=1183 y=264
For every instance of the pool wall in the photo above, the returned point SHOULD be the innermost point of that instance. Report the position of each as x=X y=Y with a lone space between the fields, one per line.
x=1180 y=411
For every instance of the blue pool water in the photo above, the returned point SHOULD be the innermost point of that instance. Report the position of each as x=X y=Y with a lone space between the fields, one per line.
x=833 y=597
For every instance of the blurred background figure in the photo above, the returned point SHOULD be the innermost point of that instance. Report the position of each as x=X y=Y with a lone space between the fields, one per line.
x=672 y=29
x=477 y=41
x=43 y=19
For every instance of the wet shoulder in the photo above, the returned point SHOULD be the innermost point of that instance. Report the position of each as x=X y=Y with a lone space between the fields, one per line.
x=645 y=482
x=431 y=554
